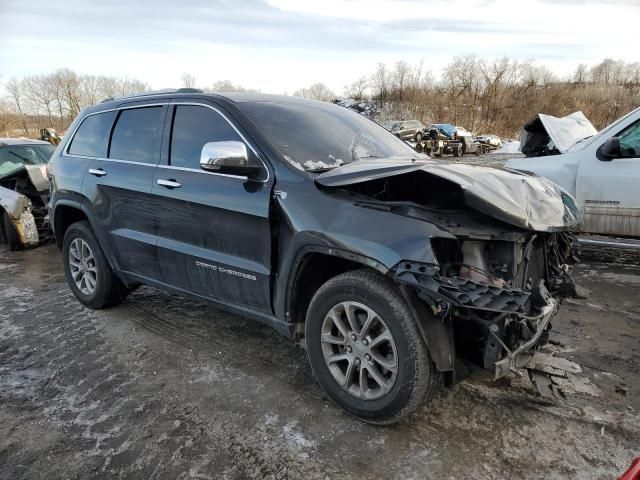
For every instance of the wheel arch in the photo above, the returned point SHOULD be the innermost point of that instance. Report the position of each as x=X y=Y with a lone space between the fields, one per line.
x=312 y=267
x=66 y=213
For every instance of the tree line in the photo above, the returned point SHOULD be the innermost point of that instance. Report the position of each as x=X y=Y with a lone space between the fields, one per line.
x=494 y=96
x=485 y=96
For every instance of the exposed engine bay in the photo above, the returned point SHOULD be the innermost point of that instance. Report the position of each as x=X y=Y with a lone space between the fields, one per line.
x=496 y=283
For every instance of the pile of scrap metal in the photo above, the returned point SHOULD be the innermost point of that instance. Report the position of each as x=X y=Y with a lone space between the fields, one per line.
x=363 y=107
x=549 y=135
x=444 y=138
x=24 y=192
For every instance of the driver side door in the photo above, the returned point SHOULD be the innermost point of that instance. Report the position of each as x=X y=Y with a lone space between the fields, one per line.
x=608 y=189
x=213 y=229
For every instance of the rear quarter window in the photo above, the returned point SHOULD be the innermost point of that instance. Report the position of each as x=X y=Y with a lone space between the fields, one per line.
x=92 y=137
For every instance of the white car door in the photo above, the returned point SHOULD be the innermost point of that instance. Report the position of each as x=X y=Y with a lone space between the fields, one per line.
x=609 y=188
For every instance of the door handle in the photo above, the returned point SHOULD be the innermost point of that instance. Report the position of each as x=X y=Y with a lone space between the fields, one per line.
x=169 y=183
x=98 y=172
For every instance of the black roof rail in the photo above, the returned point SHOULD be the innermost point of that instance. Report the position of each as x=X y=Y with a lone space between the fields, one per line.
x=154 y=92
x=189 y=90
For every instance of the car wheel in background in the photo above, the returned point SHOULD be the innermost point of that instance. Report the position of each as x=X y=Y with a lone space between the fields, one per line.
x=365 y=348
x=88 y=273
x=418 y=136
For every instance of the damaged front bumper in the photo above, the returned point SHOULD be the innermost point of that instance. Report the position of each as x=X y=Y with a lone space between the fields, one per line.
x=18 y=209
x=512 y=323
x=523 y=355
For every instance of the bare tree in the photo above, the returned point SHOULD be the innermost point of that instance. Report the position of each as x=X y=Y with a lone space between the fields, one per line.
x=380 y=83
x=580 y=75
x=16 y=94
x=188 y=80
x=317 y=91
x=356 y=90
x=55 y=99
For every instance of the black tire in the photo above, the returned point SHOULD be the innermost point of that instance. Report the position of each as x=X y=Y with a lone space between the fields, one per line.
x=10 y=233
x=418 y=136
x=417 y=379
x=109 y=290
x=457 y=152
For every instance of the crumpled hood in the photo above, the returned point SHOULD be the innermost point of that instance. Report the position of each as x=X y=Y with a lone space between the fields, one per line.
x=517 y=198
x=563 y=132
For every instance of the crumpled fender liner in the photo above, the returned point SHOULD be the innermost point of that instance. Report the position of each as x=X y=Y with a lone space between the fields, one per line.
x=437 y=333
x=462 y=292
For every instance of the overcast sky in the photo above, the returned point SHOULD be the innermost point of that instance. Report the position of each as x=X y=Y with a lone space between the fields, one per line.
x=281 y=45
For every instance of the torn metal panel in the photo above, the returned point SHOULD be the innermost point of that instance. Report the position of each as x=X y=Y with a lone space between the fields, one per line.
x=546 y=134
x=18 y=208
x=467 y=293
x=38 y=176
x=519 y=199
x=13 y=202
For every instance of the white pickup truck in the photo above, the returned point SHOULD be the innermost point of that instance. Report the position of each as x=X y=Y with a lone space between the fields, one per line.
x=603 y=172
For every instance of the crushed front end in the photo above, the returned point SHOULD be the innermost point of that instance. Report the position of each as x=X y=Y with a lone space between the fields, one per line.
x=24 y=194
x=499 y=294
x=496 y=267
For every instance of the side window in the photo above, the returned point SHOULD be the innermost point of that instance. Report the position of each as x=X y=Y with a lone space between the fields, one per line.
x=193 y=126
x=92 y=136
x=135 y=133
x=630 y=141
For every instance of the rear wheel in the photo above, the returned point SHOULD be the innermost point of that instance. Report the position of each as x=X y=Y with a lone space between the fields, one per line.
x=10 y=233
x=418 y=136
x=88 y=273
x=365 y=348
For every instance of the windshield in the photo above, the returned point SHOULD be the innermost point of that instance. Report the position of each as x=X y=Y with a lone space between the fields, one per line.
x=316 y=136
x=393 y=125
x=14 y=157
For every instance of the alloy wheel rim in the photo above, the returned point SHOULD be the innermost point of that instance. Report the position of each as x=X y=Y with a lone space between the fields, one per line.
x=83 y=266
x=359 y=350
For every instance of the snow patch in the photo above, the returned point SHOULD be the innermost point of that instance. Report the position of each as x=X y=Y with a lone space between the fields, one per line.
x=509 y=146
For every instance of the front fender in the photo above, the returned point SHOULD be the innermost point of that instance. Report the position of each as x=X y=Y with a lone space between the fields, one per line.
x=327 y=222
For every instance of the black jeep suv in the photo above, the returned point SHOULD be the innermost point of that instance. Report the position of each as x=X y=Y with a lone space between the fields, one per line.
x=394 y=270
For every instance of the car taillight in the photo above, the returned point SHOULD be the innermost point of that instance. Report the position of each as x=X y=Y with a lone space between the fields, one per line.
x=634 y=471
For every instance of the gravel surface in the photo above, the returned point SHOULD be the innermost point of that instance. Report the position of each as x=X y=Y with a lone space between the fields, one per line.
x=163 y=387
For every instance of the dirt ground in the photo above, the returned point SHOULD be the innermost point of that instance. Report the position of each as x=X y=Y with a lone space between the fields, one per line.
x=163 y=387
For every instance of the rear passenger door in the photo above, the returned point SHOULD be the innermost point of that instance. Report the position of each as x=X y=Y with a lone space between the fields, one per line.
x=119 y=188
x=214 y=235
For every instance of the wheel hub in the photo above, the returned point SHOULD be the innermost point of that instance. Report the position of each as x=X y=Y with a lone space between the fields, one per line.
x=359 y=350
x=82 y=266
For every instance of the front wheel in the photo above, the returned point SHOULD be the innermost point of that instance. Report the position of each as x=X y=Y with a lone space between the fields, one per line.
x=365 y=348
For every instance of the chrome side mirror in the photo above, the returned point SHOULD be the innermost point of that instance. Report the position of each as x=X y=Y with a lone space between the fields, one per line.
x=228 y=157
